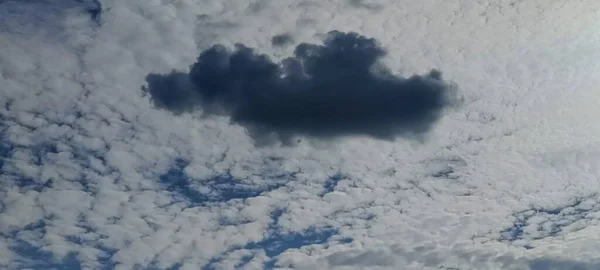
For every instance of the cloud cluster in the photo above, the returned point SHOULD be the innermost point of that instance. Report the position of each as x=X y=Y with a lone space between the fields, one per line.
x=335 y=89
x=426 y=258
x=94 y=177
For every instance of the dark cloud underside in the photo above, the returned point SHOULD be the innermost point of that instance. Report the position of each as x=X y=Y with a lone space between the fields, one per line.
x=323 y=91
x=281 y=40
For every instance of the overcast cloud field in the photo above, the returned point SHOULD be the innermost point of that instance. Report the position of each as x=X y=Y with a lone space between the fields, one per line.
x=298 y=134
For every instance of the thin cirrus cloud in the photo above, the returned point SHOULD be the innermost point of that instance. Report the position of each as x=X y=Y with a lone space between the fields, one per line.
x=327 y=90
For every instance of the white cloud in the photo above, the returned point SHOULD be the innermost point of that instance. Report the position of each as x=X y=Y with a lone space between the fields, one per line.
x=84 y=155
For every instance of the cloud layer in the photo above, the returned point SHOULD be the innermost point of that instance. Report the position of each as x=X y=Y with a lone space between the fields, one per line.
x=95 y=177
x=339 y=88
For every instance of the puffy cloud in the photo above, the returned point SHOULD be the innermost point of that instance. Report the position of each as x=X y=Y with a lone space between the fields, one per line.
x=323 y=91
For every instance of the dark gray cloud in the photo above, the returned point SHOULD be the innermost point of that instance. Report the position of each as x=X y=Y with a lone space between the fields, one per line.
x=281 y=40
x=365 y=4
x=333 y=89
x=94 y=8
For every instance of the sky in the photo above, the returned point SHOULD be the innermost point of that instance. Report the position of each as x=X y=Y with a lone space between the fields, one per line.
x=339 y=134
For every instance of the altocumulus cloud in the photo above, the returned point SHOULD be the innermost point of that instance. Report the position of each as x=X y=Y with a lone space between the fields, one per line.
x=338 y=88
